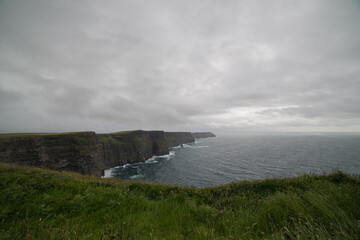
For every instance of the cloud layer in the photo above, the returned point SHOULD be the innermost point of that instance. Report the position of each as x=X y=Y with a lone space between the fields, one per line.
x=224 y=66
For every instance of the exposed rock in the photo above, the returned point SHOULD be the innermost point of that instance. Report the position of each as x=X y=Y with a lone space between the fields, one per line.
x=67 y=152
x=131 y=147
x=87 y=152
x=176 y=138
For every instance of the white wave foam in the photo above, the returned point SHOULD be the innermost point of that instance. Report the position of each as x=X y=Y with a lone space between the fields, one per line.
x=107 y=173
x=185 y=145
x=168 y=156
x=137 y=176
x=155 y=159
x=126 y=165
x=192 y=145
x=152 y=159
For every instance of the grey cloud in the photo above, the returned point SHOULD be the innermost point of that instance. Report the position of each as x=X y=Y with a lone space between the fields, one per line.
x=179 y=65
x=8 y=97
x=70 y=100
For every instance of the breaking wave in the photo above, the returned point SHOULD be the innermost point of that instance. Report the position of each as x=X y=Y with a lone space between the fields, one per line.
x=138 y=176
x=135 y=170
x=189 y=145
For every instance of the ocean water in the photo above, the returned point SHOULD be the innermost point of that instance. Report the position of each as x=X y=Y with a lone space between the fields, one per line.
x=225 y=159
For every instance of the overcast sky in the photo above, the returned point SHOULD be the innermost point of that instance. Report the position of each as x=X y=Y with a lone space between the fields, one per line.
x=223 y=66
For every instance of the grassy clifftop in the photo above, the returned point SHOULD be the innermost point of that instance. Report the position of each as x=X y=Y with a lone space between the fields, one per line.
x=31 y=135
x=44 y=204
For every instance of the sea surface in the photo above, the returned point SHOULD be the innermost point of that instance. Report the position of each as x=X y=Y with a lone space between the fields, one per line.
x=225 y=159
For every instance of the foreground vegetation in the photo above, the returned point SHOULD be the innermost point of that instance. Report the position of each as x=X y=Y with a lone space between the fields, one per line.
x=43 y=204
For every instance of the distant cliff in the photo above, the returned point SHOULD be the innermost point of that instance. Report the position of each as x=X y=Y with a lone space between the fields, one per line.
x=87 y=152
x=176 y=138
x=202 y=134
x=130 y=147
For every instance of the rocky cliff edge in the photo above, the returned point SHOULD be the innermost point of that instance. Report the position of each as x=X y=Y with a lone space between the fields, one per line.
x=87 y=152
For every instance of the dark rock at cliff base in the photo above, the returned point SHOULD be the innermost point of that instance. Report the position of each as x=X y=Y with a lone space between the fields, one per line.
x=203 y=134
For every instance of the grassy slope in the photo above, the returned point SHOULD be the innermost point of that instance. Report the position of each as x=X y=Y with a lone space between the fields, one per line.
x=22 y=135
x=43 y=204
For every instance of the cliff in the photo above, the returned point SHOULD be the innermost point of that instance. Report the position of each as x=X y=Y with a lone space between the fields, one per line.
x=176 y=138
x=202 y=134
x=67 y=151
x=130 y=147
x=87 y=152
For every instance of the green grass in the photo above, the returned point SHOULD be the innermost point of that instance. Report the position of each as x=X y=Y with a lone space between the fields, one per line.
x=43 y=204
x=125 y=137
x=107 y=139
x=125 y=132
x=17 y=135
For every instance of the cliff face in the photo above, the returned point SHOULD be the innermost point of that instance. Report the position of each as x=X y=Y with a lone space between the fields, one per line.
x=176 y=138
x=87 y=152
x=68 y=152
x=202 y=134
x=130 y=147
x=137 y=146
